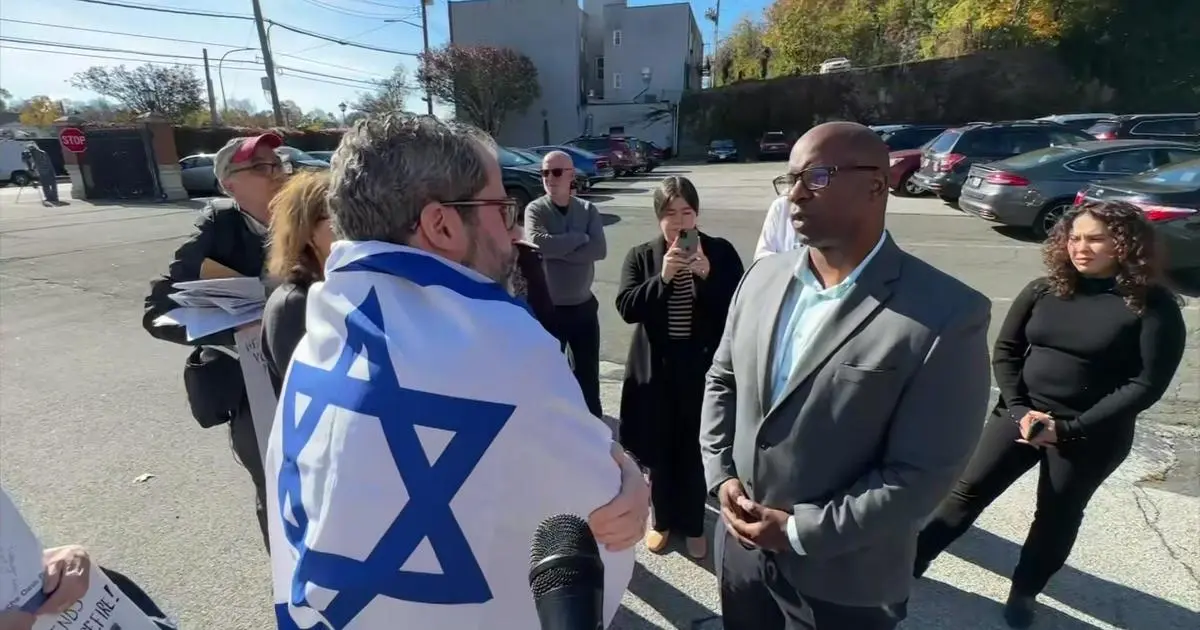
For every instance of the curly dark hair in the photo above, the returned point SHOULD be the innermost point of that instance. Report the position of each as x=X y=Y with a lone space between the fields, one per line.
x=1137 y=251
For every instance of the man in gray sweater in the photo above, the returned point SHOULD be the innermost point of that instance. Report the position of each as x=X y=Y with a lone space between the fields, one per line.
x=570 y=235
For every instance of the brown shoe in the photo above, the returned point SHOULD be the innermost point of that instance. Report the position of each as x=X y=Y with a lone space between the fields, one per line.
x=656 y=541
x=697 y=547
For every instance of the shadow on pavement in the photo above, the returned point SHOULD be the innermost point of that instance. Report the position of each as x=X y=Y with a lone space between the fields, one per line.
x=936 y=604
x=677 y=607
x=609 y=219
x=596 y=198
x=1016 y=233
x=1107 y=601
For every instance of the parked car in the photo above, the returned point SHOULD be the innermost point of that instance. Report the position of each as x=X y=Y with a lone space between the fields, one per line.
x=946 y=161
x=837 y=64
x=528 y=161
x=1034 y=189
x=722 y=151
x=882 y=129
x=1078 y=121
x=620 y=156
x=324 y=156
x=773 y=145
x=641 y=158
x=1170 y=198
x=659 y=153
x=654 y=157
x=595 y=168
x=901 y=166
x=197 y=176
x=904 y=137
x=294 y=159
x=1180 y=127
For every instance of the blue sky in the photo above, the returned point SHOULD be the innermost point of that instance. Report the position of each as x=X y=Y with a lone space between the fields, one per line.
x=26 y=73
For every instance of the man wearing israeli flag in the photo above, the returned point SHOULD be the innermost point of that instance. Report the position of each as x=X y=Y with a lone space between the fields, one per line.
x=428 y=423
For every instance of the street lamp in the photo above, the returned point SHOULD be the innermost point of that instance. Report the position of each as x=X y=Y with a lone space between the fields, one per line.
x=221 y=78
x=342 y=106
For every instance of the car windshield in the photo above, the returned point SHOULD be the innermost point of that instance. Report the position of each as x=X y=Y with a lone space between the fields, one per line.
x=528 y=155
x=508 y=158
x=722 y=144
x=945 y=142
x=1104 y=126
x=1033 y=158
x=774 y=136
x=1184 y=173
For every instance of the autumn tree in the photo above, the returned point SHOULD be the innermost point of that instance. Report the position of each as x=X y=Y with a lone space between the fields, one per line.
x=40 y=111
x=485 y=83
x=740 y=54
x=170 y=91
x=389 y=95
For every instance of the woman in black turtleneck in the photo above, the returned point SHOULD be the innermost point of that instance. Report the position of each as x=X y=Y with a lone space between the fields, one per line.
x=1081 y=353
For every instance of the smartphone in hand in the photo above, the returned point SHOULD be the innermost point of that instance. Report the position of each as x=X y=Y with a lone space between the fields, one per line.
x=688 y=240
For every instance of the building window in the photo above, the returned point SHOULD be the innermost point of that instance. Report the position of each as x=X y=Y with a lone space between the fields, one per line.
x=600 y=69
x=616 y=80
x=616 y=38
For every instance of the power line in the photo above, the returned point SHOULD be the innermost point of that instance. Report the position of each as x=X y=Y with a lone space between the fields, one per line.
x=21 y=40
x=354 y=12
x=183 y=41
x=232 y=16
x=163 y=63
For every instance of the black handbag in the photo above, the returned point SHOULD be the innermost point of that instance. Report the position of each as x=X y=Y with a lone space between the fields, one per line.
x=214 y=384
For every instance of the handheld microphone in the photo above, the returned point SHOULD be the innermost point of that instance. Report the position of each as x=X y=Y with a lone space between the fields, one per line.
x=566 y=575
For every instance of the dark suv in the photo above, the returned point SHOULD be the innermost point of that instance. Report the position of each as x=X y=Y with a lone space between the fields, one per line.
x=947 y=159
x=904 y=137
x=1178 y=127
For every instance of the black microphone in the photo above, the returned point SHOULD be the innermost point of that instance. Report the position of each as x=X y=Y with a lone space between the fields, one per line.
x=566 y=575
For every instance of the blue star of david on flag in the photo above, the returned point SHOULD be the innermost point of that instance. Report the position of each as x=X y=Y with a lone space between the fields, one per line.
x=430 y=485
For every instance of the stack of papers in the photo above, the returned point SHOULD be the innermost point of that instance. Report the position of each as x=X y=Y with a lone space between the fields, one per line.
x=215 y=305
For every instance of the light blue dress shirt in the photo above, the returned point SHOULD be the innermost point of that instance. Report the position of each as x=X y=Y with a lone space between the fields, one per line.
x=808 y=307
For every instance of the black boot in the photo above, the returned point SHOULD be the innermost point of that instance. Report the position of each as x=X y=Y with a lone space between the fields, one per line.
x=1019 y=610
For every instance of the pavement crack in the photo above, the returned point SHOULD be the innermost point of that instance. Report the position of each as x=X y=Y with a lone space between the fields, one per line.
x=64 y=285
x=1151 y=514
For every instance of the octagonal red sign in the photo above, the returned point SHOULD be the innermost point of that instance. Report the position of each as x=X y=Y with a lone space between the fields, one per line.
x=73 y=140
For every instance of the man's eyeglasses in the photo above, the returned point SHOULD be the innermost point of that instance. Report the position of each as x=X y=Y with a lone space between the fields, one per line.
x=555 y=172
x=262 y=168
x=813 y=178
x=507 y=206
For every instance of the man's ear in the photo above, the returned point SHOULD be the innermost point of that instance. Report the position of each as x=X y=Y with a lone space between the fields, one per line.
x=438 y=224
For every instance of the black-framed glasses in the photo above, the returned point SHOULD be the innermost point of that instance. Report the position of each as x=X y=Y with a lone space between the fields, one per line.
x=508 y=208
x=556 y=172
x=261 y=168
x=814 y=177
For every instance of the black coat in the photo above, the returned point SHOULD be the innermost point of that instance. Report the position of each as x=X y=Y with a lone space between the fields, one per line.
x=642 y=300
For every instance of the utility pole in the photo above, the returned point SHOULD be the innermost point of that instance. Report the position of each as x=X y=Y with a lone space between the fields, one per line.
x=268 y=62
x=425 y=36
x=212 y=98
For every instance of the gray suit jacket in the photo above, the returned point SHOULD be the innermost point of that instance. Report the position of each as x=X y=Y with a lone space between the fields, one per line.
x=875 y=425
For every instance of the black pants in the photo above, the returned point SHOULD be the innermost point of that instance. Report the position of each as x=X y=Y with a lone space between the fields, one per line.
x=245 y=446
x=756 y=596
x=137 y=597
x=1068 y=477
x=579 y=329
x=677 y=488
x=49 y=185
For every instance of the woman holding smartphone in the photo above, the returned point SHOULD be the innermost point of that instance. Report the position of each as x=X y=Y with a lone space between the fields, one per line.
x=1081 y=353
x=676 y=289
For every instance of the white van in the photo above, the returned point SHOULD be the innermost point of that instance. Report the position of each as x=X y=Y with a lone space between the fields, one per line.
x=12 y=168
x=837 y=64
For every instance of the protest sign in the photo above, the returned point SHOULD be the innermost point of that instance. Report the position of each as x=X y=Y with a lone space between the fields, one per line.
x=259 y=390
x=103 y=607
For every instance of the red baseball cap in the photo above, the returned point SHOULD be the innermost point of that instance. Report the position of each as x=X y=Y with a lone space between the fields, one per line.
x=239 y=150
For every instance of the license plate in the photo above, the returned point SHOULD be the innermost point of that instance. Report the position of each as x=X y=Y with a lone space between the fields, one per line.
x=974 y=182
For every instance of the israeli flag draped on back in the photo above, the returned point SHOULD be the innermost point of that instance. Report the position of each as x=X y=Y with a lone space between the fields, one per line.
x=427 y=425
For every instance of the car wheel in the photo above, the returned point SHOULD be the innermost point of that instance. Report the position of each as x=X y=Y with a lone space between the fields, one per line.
x=1048 y=218
x=21 y=179
x=522 y=198
x=907 y=187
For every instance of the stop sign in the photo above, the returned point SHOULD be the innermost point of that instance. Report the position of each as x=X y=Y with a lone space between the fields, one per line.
x=73 y=140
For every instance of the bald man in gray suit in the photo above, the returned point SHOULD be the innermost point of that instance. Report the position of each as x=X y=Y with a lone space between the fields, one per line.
x=844 y=400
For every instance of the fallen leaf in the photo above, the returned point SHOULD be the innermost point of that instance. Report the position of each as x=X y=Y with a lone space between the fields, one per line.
x=143 y=478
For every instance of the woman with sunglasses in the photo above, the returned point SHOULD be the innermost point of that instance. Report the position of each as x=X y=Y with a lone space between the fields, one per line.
x=300 y=241
x=1082 y=352
x=676 y=289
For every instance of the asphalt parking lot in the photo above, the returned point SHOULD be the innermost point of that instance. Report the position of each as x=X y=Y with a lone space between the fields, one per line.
x=97 y=446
